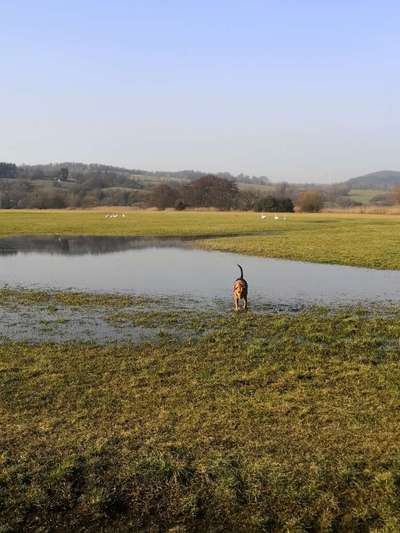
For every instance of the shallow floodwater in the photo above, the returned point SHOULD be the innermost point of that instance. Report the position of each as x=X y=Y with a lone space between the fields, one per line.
x=173 y=267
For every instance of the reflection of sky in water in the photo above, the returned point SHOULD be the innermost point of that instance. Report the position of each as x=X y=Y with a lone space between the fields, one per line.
x=173 y=270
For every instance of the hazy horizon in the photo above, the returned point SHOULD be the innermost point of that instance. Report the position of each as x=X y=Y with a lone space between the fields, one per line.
x=304 y=93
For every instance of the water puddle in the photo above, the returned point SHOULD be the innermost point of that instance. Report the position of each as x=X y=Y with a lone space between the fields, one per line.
x=37 y=324
x=175 y=268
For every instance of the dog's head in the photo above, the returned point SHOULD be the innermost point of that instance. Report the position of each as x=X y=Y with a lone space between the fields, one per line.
x=239 y=287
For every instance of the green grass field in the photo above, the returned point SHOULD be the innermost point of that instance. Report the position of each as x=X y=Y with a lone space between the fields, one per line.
x=365 y=195
x=146 y=223
x=265 y=423
x=358 y=240
x=249 y=422
x=264 y=189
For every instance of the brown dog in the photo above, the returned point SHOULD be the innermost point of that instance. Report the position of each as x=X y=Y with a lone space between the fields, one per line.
x=240 y=291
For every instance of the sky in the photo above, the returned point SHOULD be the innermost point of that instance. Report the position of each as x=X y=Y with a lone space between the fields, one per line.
x=305 y=90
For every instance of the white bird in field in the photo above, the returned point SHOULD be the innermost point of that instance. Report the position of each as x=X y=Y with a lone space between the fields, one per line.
x=276 y=218
x=263 y=216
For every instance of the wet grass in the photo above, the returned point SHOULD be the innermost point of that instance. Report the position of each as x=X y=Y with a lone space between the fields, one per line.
x=264 y=422
x=348 y=239
x=196 y=321
x=73 y=298
x=61 y=316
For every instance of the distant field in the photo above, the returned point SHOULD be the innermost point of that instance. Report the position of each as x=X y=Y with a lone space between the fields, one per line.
x=147 y=222
x=265 y=189
x=364 y=195
x=349 y=239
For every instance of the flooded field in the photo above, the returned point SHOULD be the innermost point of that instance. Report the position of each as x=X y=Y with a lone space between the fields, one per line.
x=175 y=268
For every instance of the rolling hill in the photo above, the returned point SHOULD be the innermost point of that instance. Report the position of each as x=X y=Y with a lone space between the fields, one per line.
x=375 y=180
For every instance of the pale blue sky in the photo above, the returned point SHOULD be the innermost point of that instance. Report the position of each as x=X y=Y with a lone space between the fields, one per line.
x=289 y=89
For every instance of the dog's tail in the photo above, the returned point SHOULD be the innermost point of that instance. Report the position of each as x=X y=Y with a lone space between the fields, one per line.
x=241 y=272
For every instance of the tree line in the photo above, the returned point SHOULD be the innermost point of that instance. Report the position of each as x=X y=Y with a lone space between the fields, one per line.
x=216 y=192
x=77 y=171
x=20 y=194
x=205 y=192
x=57 y=186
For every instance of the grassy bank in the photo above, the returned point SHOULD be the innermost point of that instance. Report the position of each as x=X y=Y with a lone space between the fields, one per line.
x=268 y=422
x=355 y=241
x=349 y=239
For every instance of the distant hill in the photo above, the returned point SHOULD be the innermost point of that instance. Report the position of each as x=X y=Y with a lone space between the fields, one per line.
x=76 y=169
x=376 y=180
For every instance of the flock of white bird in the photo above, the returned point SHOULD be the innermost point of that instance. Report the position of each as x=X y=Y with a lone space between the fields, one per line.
x=274 y=218
x=123 y=215
x=115 y=215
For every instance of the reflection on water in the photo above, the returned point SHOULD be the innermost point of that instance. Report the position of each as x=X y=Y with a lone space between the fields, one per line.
x=171 y=267
x=81 y=245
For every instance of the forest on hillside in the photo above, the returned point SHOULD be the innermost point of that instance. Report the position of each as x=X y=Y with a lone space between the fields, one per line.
x=79 y=185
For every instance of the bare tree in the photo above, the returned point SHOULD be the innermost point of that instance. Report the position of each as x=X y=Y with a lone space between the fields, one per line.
x=212 y=191
x=310 y=201
x=163 y=196
x=64 y=173
x=396 y=194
